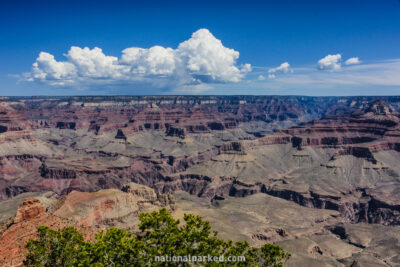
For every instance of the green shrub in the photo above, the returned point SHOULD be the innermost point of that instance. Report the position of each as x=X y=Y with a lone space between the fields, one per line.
x=159 y=235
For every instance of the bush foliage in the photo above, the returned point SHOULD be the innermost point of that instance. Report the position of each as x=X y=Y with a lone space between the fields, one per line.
x=159 y=235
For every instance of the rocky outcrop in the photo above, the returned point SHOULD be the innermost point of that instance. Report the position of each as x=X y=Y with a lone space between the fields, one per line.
x=94 y=127
x=120 y=135
x=66 y=125
x=12 y=120
x=147 y=195
x=379 y=107
x=113 y=207
x=30 y=215
x=181 y=163
x=232 y=148
x=57 y=173
x=197 y=128
x=174 y=131
x=271 y=140
x=30 y=209
x=359 y=152
x=192 y=183
x=217 y=126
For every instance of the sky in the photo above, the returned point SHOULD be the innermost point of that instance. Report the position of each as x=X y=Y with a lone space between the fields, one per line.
x=279 y=47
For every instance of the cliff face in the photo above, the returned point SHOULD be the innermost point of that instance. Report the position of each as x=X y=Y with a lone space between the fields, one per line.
x=12 y=120
x=374 y=127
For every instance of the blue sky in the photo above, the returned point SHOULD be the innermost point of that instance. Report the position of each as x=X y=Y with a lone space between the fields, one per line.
x=202 y=47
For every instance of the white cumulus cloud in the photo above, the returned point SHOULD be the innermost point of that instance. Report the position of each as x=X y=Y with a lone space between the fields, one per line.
x=261 y=78
x=200 y=60
x=283 y=68
x=207 y=60
x=330 y=62
x=46 y=68
x=156 y=60
x=93 y=63
x=353 y=61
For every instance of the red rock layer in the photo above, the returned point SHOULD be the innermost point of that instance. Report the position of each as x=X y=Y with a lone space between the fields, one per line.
x=376 y=127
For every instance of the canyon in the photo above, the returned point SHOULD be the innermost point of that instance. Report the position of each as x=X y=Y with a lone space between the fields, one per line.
x=320 y=176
